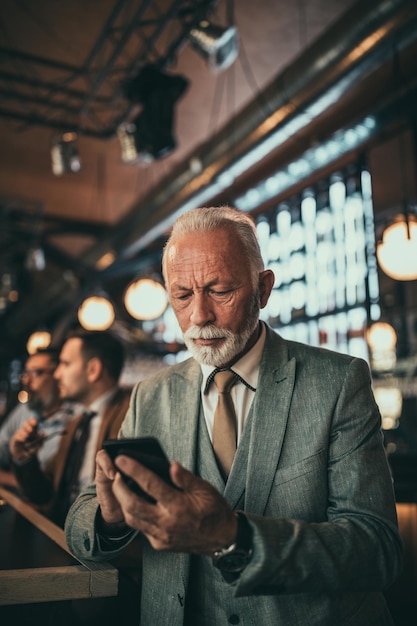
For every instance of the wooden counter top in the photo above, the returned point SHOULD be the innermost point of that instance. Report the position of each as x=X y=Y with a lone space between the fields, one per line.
x=36 y=564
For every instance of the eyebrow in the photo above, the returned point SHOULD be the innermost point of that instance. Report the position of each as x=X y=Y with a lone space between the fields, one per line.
x=217 y=281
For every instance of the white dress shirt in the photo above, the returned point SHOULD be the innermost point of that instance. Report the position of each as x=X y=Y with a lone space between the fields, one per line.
x=88 y=467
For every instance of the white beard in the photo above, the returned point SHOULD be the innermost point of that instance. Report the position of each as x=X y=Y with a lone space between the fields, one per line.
x=232 y=345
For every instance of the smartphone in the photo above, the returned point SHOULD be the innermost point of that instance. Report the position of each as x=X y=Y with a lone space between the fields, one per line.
x=146 y=450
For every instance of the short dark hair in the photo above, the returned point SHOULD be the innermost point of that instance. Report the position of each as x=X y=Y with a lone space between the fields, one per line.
x=104 y=346
x=53 y=354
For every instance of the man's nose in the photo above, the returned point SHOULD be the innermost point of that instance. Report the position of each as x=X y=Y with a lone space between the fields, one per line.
x=202 y=310
x=25 y=379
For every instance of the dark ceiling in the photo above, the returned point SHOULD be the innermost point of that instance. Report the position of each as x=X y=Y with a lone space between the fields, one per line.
x=304 y=73
x=84 y=89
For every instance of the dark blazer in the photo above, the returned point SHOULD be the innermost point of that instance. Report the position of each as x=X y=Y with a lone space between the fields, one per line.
x=42 y=487
x=311 y=474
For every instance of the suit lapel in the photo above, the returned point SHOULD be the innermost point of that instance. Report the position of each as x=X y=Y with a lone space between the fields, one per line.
x=113 y=416
x=185 y=409
x=270 y=415
x=260 y=448
x=61 y=457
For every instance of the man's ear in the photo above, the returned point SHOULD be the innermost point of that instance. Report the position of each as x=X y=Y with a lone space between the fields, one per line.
x=266 y=282
x=94 y=369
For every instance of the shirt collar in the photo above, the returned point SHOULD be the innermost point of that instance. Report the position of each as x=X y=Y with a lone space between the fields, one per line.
x=100 y=403
x=247 y=367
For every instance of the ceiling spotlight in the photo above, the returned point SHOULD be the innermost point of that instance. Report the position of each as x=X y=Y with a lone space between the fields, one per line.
x=96 y=313
x=153 y=128
x=35 y=259
x=126 y=136
x=105 y=260
x=145 y=299
x=218 y=45
x=64 y=154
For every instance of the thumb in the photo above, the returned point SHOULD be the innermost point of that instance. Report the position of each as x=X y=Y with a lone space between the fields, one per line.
x=181 y=477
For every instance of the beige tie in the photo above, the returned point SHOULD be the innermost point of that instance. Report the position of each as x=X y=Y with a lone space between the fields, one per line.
x=225 y=424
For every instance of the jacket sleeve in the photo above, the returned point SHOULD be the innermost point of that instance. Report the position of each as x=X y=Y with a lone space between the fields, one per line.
x=12 y=423
x=81 y=530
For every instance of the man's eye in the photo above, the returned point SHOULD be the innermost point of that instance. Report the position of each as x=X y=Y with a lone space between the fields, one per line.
x=220 y=293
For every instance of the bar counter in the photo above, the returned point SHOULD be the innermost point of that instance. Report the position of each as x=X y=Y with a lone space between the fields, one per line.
x=35 y=563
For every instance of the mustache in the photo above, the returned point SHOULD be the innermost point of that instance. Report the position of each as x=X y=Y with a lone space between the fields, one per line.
x=207 y=332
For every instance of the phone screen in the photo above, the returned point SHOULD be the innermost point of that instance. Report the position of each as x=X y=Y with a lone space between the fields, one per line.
x=146 y=450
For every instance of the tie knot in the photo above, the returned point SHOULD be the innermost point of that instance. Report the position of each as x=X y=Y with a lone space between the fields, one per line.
x=87 y=416
x=224 y=380
x=85 y=420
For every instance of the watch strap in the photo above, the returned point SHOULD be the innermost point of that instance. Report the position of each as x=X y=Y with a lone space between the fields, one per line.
x=232 y=560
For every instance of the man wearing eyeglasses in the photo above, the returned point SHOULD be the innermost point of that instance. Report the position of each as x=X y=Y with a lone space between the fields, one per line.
x=90 y=364
x=44 y=414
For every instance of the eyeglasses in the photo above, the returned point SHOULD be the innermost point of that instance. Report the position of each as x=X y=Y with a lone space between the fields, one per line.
x=35 y=373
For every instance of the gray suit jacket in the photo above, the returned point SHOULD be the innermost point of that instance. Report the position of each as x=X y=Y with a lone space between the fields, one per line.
x=311 y=474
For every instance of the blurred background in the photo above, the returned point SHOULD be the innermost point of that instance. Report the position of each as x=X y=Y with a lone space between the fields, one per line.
x=117 y=116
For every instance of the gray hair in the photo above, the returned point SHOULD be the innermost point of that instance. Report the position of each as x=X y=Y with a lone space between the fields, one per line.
x=207 y=219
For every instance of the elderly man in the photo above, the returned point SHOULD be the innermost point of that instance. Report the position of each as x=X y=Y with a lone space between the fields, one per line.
x=290 y=520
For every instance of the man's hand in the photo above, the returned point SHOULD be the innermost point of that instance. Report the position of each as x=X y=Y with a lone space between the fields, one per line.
x=111 y=511
x=26 y=441
x=194 y=519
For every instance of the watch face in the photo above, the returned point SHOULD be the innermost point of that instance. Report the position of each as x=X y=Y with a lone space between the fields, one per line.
x=234 y=561
x=234 y=558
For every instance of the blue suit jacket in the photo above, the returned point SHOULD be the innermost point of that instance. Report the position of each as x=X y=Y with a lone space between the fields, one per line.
x=312 y=476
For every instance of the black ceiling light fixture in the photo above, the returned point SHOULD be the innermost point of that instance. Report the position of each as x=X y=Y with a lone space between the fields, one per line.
x=153 y=128
x=219 y=46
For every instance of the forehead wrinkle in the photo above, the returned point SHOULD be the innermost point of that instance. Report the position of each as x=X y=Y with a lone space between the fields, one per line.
x=189 y=266
x=203 y=259
x=203 y=272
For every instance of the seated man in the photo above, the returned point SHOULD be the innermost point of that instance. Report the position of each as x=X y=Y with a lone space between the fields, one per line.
x=47 y=412
x=90 y=364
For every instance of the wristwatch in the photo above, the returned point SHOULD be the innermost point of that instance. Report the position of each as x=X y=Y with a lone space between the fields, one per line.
x=234 y=558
